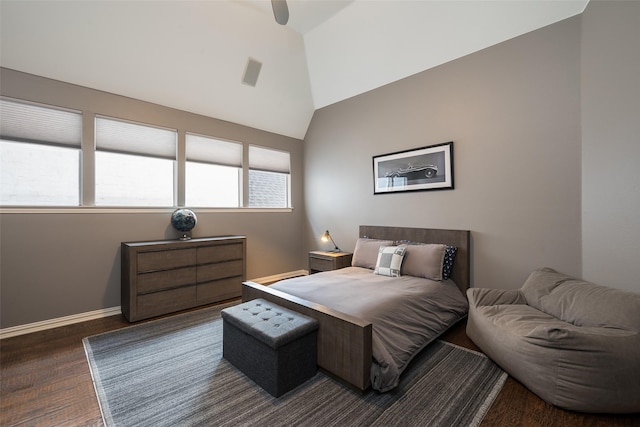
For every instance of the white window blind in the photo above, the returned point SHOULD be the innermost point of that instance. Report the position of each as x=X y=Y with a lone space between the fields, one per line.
x=32 y=123
x=135 y=164
x=39 y=155
x=268 y=160
x=269 y=178
x=214 y=151
x=119 y=136
x=213 y=172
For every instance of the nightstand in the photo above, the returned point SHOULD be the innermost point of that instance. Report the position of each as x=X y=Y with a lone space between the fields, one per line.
x=326 y=261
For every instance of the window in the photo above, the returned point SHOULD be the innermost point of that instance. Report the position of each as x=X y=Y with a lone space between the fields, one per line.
x=129 y=164
x=135 y=164
x=269 y=178
x=213 y=172
x=39 y=155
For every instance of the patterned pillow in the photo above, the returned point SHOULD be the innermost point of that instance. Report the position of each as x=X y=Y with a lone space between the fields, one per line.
x=390 y=260
x=449 y=257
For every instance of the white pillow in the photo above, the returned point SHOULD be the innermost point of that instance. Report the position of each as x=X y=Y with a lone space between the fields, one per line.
x=390 y=260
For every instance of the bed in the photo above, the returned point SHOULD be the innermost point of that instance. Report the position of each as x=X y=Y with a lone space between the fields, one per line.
x=371 y=325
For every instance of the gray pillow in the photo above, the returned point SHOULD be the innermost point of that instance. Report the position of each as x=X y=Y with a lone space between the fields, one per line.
x=366 y=252
x=424 y=260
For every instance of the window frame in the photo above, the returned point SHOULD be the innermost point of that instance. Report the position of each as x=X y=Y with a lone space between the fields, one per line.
x=113 y=145
x=225 y=161
x=270 y=164
x=69 y=136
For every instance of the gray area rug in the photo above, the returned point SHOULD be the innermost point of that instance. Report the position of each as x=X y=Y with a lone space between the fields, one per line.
x=170 y=372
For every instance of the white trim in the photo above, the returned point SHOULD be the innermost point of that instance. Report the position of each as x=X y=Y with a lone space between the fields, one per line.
x=276 y=277
x=57 y=322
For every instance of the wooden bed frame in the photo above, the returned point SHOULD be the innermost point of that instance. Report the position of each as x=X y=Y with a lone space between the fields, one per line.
x=344 y=341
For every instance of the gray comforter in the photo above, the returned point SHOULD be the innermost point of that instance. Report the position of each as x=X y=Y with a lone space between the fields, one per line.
x=407 y=313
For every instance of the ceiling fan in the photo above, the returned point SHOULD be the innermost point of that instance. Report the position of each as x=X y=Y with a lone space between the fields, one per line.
x=280 y=11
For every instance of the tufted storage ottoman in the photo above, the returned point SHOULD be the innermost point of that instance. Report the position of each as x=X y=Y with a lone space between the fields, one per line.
x=275 y=347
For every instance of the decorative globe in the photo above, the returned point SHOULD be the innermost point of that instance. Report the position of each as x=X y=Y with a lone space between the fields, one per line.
x=183 y=220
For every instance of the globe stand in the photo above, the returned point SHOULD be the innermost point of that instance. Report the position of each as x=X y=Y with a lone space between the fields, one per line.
x=185 y=236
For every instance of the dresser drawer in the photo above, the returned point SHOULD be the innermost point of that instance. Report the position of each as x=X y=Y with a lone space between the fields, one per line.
x=149 y=305
x=319 y=264
x=220 y=253
x=219 y=290
x=220 y=270
x=166 y=259
x=327 y=261
x=158 y=280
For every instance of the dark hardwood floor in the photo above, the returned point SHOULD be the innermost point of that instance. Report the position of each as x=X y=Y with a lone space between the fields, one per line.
x=45 y=381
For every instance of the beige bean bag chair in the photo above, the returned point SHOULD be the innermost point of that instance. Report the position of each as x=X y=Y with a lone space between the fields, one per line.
x=573 y=343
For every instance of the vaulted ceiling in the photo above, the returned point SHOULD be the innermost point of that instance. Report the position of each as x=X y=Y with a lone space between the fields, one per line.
x=192 y=55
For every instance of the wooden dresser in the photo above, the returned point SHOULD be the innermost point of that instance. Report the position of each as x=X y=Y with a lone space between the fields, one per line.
x=160 y=277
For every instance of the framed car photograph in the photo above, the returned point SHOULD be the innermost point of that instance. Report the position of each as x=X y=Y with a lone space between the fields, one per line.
x=420 y=169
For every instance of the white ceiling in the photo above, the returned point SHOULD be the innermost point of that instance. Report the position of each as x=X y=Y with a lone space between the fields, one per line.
x=191 y=55
x=304 y=15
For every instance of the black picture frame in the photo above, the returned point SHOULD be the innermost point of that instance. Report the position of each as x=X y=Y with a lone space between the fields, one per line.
x=419 y=169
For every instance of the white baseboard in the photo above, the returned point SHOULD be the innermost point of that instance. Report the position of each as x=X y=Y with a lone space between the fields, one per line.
x=98 y=314
x=57 y=322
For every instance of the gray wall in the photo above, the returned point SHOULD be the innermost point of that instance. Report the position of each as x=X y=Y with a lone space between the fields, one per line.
x=523 y=171
x=611 y=143
x=55 y=265
x=513 y=112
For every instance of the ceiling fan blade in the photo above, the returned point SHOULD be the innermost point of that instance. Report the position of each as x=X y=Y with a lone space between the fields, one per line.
x=280 y=11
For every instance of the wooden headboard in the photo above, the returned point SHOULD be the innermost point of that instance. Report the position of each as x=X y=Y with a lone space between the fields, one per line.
x=461 y=273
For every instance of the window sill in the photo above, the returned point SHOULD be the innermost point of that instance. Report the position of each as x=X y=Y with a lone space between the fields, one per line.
x=127 y=210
